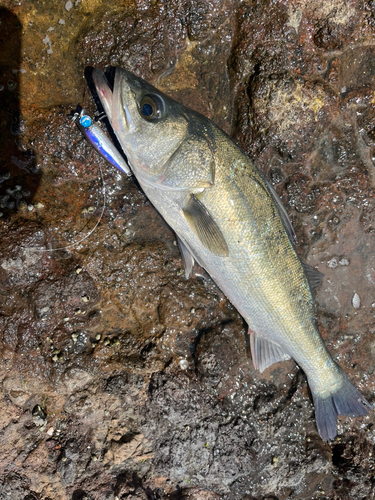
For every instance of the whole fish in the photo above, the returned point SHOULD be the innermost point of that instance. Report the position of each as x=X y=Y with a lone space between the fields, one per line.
x=230 y=221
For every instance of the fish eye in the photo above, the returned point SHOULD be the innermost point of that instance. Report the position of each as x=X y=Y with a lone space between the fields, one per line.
x=151 y=107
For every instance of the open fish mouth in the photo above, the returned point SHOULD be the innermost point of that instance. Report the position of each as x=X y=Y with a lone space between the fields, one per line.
x=104 y=91
x=113 y=103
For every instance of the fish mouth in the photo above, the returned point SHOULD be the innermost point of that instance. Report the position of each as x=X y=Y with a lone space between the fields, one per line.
x=113 y=103
x=104 y=91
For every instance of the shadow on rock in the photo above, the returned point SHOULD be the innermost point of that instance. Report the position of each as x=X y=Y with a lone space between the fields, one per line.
x=19 y=178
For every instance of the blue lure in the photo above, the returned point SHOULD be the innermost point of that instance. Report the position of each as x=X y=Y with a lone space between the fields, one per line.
x=100 y=141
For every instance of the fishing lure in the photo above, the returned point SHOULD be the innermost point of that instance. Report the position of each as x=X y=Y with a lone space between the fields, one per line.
x=99 y=140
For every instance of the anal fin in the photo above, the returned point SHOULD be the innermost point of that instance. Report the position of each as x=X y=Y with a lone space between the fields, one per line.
x=264 y=352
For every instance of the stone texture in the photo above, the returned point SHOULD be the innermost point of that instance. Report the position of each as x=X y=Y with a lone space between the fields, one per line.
x=95 y=313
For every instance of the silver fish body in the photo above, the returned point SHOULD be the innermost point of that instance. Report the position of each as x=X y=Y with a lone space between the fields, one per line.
x=228 y=219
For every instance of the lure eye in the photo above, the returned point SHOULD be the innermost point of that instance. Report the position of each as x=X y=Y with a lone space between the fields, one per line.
x=85 y=121
x=151 y=107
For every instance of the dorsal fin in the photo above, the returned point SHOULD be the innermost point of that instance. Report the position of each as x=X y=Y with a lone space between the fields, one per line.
x=283 y=214
x=314 y=277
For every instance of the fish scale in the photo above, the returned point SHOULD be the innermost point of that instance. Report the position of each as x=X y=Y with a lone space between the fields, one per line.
x=228 y=219
x=256 y=260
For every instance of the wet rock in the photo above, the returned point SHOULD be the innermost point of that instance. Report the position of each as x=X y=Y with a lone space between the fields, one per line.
x=119 y=377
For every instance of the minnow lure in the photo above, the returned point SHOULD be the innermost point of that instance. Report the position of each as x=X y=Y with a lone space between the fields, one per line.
x=99 y=140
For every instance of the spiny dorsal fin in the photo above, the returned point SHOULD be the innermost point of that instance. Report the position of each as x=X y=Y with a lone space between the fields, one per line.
x=204 y=227
x=264 y=352
x=314 y=277
x=284 y=215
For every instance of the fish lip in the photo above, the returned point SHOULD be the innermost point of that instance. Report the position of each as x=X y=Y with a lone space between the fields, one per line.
x=112 y=101
x=122 y=122
x=104 y=91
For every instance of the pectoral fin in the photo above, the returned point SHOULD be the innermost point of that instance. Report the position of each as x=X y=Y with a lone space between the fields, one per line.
x=264 y=352
x=204 y=227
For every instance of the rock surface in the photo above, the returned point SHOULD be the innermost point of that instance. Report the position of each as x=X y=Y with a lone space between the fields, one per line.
x=120 y=379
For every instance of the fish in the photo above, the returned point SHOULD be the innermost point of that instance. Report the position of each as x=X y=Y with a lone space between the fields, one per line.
x=230 y=221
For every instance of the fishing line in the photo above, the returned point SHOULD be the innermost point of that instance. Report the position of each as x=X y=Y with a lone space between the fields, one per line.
x=87 y=235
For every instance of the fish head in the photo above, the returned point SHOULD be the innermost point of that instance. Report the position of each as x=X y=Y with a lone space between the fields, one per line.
x=149 y=125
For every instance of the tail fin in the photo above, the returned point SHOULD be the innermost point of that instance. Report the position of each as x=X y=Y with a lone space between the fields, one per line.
x=346 y=400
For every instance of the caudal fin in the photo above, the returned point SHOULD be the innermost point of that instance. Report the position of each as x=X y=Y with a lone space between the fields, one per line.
x=346 y=400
